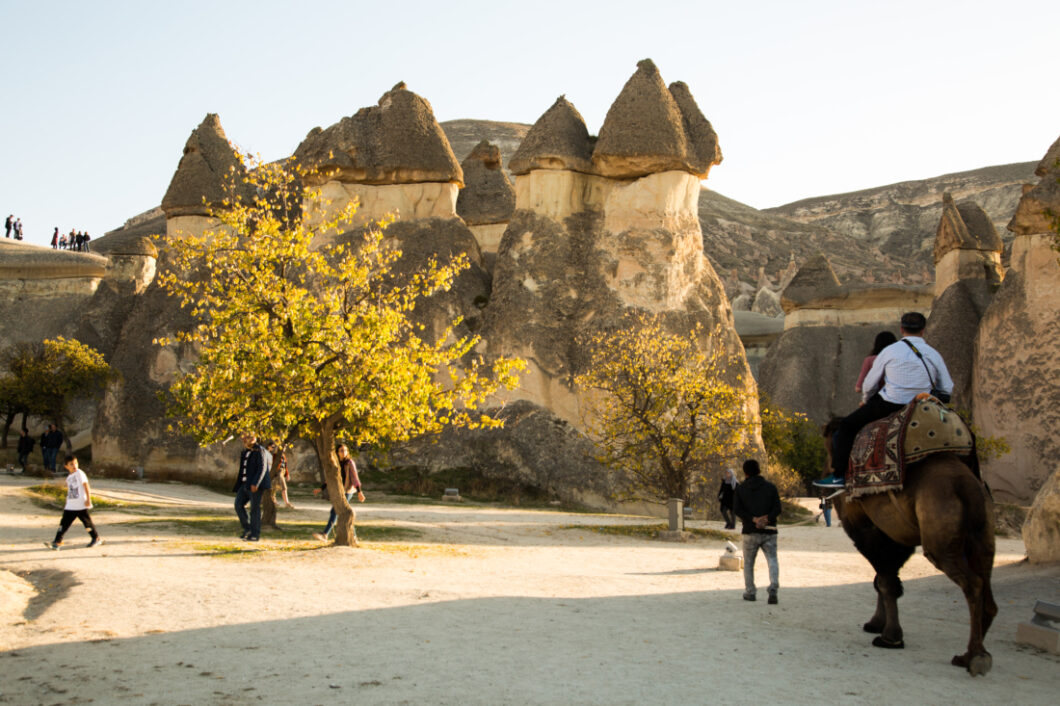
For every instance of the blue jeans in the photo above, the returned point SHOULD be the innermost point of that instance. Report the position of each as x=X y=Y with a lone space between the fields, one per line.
x=332 y=517
x=251 y=525
x=49 y=453
x=768 y=544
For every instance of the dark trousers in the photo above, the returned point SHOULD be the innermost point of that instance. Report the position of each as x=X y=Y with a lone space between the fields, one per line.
x=850 y=425
x=251 y=525
x=68 y=519
x=23 y=459
x=730 y=518
x=48 y=453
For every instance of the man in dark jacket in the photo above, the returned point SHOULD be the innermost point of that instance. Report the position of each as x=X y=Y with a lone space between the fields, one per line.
x=25 y=447
x=757 y=505
x=252 y=481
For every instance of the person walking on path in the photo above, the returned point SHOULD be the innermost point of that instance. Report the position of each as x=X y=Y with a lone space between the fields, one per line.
x=351 y=483
x=826 y=510
x=900 y=372
x=757 y=504
x=280 y=473
x=50 y=442
x=25 y=448
x=78 y=503
x=252 y=481
x=726 y=494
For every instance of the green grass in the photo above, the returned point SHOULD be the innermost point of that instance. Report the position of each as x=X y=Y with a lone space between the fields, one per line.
x=650 y=531
x=214 y=525
x=52 y=495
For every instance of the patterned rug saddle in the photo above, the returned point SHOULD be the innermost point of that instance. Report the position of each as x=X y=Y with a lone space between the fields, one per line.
x=884 y=448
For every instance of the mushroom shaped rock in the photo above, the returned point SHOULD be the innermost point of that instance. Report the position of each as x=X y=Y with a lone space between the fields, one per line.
x=397 y=141
x=703 y=149
x=644 y=131
x=558 y=140
x=964 y=226
x=487 y=196
x=203 y=175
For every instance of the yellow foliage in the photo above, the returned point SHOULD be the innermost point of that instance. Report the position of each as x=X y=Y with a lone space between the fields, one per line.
x=665 y=413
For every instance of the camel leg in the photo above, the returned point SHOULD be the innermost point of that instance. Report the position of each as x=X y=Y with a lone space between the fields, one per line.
x=953 y=561
x=887 y=557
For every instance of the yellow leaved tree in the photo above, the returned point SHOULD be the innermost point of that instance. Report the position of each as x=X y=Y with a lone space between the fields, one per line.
x=666 y=409
x=315 y=342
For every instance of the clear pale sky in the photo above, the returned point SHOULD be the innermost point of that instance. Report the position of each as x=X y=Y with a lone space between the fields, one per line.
x=808 y=98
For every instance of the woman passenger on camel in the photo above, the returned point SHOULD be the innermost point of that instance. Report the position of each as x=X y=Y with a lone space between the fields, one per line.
x=896 y=377
x=883 y=339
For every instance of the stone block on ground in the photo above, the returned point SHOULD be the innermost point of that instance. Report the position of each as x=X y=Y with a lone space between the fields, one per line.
x=730 y=562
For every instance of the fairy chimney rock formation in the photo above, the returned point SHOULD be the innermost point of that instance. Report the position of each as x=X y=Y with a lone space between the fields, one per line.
x=703 y=149
x=201 y=182
x=597 y=234
x=392 y=157
x=1017 y=377
x=967 y=245
x=487 y=200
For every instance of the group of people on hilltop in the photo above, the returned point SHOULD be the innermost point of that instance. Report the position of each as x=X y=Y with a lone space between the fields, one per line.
x=13 y=226
x=77 y=240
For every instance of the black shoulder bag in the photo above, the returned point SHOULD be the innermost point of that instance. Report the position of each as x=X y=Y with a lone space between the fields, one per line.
x=938 y=394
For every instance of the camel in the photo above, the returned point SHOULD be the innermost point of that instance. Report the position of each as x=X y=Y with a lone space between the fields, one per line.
x=947 y=509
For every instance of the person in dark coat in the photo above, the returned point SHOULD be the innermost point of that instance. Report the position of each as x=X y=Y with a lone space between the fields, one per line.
x=726 y=496
x=757 y=504
x=253 y=480
x=25 y=448
x=50 y=443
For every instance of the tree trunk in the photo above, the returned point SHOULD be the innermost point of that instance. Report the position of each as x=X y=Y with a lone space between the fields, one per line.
x=8 y=421
x=268 y=509
x=324 y=441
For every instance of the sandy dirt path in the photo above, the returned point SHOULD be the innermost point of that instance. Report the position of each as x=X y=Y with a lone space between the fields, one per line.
x=486 y=606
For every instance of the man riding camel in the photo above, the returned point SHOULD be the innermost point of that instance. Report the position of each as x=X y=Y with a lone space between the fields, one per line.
x=900 y=372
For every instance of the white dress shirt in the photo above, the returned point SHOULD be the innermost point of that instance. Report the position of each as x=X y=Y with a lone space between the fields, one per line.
x=901 y=374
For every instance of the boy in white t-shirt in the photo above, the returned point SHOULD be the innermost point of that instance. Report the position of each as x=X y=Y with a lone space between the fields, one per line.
x=78 y=503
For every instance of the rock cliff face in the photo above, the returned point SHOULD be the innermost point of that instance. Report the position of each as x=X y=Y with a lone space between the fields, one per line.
x=1016 y=382
x=900 y=220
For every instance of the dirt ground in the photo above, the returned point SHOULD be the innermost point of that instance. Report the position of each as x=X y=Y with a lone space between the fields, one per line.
x=482 y=606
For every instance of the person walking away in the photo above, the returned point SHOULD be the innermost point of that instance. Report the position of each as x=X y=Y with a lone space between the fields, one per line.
x=900 y=372
x=78 y=503
x=25 y=448
x=757 y=504
x=252 y=481
x=55 y=239
x=280 y=473
x=351 y=483
x=883 y=339
x=726 y=494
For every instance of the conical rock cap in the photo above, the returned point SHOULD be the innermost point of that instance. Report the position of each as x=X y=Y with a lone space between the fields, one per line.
x=1031 y=217
x=703 y=149
x=644 y=130
x=964 y=226
x=487 y=196
x=558 y=140
x=397 y=141
x=814 y=280
x=204 y=171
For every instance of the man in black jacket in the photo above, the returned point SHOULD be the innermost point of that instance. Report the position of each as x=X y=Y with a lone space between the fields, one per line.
x=25 y=447
x=758 y=507
x=252 y=481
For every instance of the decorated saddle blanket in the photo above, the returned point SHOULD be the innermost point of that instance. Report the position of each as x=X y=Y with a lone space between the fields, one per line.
x=884 y=448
